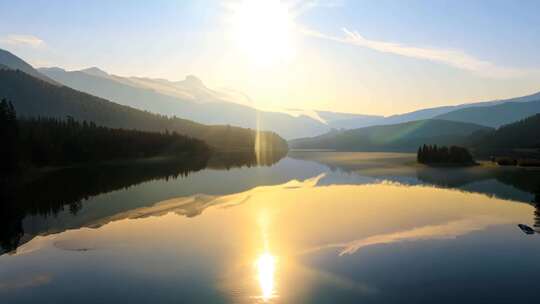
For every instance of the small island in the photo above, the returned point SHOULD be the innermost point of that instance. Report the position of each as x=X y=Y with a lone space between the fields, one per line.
x=444 y=156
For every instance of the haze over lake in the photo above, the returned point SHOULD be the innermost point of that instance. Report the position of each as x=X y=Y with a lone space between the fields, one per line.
x=296 y=231
x=269 y=151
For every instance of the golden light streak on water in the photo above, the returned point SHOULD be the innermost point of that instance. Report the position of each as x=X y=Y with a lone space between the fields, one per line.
x=266 y=263
x=266 y=268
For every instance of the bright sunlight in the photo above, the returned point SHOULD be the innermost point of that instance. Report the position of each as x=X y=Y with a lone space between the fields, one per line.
x=263 y=31
x=266 y=267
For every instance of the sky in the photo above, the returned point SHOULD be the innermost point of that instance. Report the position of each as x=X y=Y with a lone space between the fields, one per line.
x=371 y=57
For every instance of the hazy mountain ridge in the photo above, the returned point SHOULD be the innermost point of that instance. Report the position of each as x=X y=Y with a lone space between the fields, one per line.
x=141 y=93
x=347 y=120
x=10 y=61
x=440 y=113
x=191 y=99
x=215 y=111
x=191 y=88
x=399 y=137
x=33 y=97
x=499 y=114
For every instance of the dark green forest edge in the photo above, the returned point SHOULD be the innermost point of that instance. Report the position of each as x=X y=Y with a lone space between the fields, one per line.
x=38 y=142
x=50 y=142
x=516 y=144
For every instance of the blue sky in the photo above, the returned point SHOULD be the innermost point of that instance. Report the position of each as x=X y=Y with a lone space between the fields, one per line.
x=378 y=57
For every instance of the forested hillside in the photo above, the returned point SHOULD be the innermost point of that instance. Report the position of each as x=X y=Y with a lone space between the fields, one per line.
x=51 y=142
x=400 y=137
x=524 y=134
x=36 y=98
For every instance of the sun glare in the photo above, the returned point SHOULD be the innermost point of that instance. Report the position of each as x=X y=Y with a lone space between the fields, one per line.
x=263 y=31
x=266 y=267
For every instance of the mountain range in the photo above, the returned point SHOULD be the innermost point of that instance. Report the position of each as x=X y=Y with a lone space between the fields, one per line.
x=33 y=97
x=406 y=136
x=10 y=61
x=191 y=99
x=498 y=114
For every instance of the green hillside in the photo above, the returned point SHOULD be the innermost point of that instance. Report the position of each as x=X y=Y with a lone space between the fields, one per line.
x=524 y=134
x=33 y=97
x=399 y=137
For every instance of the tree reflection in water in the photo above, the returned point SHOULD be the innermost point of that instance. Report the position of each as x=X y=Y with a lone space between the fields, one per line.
x=70 y=188
x=536 y=203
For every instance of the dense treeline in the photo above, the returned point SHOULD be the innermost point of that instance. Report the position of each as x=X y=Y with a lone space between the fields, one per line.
x=67 y=189
x=522 y=134
x=51 y=141
x=9 y=132
x=515 y=144
x=433 y=154
x=36 y=98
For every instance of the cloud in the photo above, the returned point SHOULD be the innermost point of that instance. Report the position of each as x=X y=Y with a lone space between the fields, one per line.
x=22 y=40
x=451 y=57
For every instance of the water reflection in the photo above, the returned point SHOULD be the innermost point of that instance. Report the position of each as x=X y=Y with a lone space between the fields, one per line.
x=339 y=243
x=48 y=197
x=266 y=268
x=518 y=184
x=266 y=262
x=83 y=197
x=536 y=203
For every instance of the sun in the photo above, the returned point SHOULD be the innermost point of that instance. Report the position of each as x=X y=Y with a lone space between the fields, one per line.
x=263 y=31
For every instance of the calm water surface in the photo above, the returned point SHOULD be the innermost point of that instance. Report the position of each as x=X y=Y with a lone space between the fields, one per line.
x=311 y=228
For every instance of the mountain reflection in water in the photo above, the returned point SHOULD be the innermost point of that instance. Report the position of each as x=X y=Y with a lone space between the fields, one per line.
x=344 y=228
x=53 y=203
x=69 y=188
x=94 y=196
x=291 y=242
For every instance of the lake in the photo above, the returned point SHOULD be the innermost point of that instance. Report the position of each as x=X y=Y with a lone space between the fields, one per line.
x=311 y=227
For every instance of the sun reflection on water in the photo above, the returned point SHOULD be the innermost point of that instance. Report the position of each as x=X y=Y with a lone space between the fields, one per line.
x=266 y=262
x=266 y=268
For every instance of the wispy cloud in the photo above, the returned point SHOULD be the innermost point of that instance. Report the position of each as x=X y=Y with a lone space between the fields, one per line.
x=22 y=40
x=454 y=58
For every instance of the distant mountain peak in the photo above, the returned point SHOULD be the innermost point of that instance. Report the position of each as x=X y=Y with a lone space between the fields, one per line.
x=95 y=71
x=193 y=80
x=51 y=69
x=11 y=61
